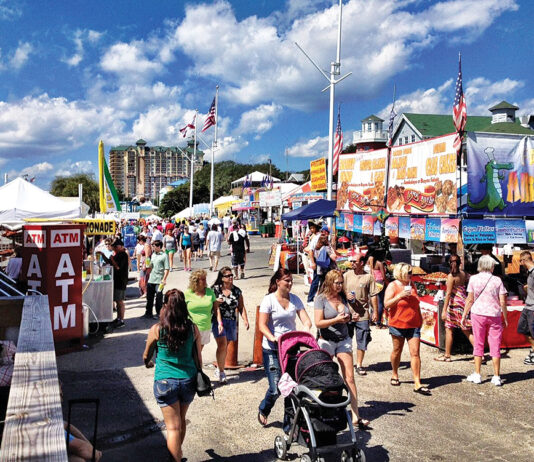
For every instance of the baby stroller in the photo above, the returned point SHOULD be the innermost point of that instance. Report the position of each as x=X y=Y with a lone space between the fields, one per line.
x=319 y=402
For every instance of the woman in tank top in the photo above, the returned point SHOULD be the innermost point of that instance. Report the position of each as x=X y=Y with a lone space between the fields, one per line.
x=175 y=376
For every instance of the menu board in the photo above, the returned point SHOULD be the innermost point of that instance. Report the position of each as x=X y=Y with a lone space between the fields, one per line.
x=422 y=178
x=318 y=174
x=361 y=183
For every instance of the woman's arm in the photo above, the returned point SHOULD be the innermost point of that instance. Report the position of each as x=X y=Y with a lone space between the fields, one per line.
x=468 y=304
x=243 y=311
x=322 y=323
x=217 y=311
x=502 y=300
x=150 y=346
x=198 y=344
x=450 y=286
x=263 y=321
x=390 y=299
x=304 y=318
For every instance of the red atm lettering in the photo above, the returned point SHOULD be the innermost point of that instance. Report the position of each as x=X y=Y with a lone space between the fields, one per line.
x=38 y=238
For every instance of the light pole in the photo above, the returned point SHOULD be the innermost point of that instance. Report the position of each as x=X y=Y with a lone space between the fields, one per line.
x=193 y=166
x=335 y=69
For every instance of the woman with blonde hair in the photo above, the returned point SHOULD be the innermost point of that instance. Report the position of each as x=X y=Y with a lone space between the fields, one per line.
x=331 y=315
x=202 y=305
x=405 y=323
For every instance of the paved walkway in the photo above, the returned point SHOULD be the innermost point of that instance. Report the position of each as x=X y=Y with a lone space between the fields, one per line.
x=459 y=422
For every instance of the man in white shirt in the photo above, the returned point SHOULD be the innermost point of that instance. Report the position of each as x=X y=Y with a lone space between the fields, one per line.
x=213 y=244
x=226 y=224
x=157 y=235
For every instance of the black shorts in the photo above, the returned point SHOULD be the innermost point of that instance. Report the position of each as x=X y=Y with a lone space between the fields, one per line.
x=184 y=247
x=525 y=325
x=238 y=259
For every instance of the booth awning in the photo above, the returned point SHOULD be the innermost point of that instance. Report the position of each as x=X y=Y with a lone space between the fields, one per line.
x=319 y=209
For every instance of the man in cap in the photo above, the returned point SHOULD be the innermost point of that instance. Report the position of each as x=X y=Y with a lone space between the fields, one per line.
x=120 y=262
x=360 y=290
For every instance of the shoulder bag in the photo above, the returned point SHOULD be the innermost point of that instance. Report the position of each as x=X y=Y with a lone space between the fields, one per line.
x=204 y=386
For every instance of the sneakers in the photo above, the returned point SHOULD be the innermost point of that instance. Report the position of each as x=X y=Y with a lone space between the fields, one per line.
x=219 y=376
x=119 y=323
x=474 y=378
x=310 y=304
x=496 y=380
x=243 y=275
x=529 y=360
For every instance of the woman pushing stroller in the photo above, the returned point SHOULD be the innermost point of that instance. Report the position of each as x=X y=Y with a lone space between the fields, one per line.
x=331 y=315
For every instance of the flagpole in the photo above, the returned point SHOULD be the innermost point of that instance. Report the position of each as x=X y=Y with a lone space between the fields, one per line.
x=213 y=146
x=193 y=166
x=389 y=143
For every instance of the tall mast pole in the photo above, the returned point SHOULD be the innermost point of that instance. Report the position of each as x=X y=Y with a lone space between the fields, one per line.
x=193 y=166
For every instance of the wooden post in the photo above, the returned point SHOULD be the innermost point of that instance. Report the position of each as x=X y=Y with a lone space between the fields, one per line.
x=257 y=357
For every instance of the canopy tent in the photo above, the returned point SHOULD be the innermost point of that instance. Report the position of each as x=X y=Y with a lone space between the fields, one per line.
x=255 y=179
x=225 y=199
x=153 y=217
x=20 y=199
x=319 y=209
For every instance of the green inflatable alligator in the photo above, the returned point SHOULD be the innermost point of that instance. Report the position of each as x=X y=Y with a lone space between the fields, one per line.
x=493 y=198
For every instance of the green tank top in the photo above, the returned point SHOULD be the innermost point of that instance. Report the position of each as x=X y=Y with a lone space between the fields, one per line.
x=175 y=364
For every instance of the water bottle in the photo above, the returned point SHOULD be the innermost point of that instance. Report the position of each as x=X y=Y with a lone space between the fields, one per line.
x=161 y=287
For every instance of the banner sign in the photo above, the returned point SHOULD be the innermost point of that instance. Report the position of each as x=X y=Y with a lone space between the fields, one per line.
x=368 y=224
x=417 y=228
x=529 y=224
x=318 y=174
x=362 y=177
x=500 y=174
x=422 y=178
x=478 y=232
x=433 y=230
x=340 y=221
x=357 y=226
x=404 y=227
x=510 y=231
x=392 y=227
x=349 y=221
x=95 y=227
x=377 y=228
x=271 y=198
x=449 y=229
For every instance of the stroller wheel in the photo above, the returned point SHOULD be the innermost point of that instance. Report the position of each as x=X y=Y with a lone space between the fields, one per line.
x=280 y=447
x=305 y=458
x=357 y=455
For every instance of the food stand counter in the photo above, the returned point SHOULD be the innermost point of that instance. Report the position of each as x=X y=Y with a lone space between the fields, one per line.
x=97 y=293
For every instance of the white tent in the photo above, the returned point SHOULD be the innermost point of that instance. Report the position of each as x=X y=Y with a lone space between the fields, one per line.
x=225 y=199
x=21 y=199
x=185 y=213
x=255 y=178
x=153 y=217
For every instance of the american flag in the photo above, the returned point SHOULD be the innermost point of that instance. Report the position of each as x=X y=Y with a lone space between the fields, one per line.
x=338 y=144
x=459 y=109
x=392 y=116
x=191 y=126
x=210 y=119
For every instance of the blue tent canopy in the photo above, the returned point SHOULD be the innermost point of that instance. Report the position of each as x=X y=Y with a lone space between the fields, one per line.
x=319 y=209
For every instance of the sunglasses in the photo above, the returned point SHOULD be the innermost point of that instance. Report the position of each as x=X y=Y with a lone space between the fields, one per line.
x=228 y=275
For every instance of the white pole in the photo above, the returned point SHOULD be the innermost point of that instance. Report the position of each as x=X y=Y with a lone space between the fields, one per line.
x=193 y=166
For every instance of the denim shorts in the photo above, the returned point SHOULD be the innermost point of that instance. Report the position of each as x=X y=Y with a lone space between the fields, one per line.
x=333 y=348
x=169 y=391
x=363 y=335
x=406 y=333
x=229 y=330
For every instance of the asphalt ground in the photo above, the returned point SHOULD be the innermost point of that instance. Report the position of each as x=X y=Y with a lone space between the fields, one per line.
x=459 y=422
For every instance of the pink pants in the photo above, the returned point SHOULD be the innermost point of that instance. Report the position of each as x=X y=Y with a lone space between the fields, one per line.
x=490 y=327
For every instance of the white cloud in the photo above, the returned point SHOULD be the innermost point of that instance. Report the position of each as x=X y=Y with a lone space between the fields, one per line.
x=259 y=120
x=79 y=37
x=315 y=147
x=70 y=167
x=37 y=169
x=10 y=9
x=21 y=55
x=383 y=39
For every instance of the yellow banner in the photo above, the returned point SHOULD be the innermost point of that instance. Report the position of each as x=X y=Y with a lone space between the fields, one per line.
x=318 y=174
x=94 y=227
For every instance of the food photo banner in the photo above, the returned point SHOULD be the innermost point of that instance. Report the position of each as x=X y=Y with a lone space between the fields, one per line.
x=318 y=174
x=361 y=181
x=422 y=178
x=496 y=231
x=500 y=173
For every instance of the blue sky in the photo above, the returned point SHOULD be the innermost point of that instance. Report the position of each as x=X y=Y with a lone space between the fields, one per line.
x=76 y=71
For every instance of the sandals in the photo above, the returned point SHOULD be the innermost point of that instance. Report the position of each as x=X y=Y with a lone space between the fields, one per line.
x=362 y=424
x=262 y=419
x=360 y=370
x=443 y=359
x=422 y=391
x=394 y=382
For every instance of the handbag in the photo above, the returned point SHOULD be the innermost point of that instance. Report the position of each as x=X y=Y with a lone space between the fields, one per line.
x=203 y=382
x=323 y=260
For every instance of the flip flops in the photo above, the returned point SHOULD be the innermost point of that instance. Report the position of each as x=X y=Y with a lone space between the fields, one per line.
x=443 y=359
x=262 y=419
x=363 y=424
x=422 y=391
x=360 y=370
x=394 y=382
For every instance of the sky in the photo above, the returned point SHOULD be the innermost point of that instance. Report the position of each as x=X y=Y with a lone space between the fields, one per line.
x=73 y=72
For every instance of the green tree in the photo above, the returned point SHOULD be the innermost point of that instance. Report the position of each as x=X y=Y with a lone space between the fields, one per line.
x=67 y=186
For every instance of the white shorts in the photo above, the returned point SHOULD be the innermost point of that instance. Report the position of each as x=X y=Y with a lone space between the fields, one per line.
x=345 y=346
x=205 y=336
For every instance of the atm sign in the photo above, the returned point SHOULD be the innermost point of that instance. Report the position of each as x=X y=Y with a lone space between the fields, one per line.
x=35 y=238
x=65 y=238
